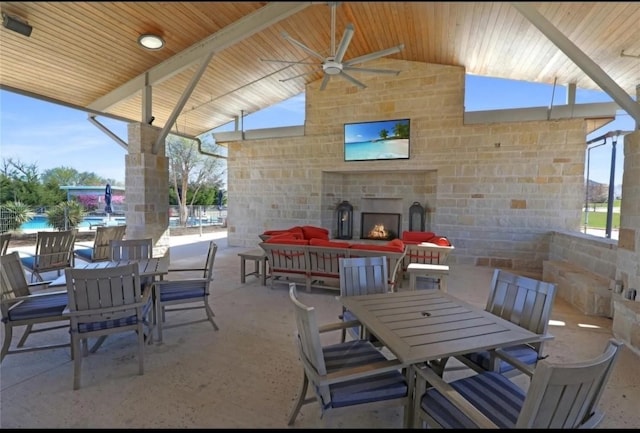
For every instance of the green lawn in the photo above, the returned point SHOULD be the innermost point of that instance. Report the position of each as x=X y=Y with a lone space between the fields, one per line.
x=598 y=220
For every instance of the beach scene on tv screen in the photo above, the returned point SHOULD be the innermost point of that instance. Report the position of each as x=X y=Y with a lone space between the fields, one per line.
x=387 y=139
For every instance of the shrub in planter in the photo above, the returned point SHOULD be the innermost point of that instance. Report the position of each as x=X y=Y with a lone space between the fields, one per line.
x=14 y=214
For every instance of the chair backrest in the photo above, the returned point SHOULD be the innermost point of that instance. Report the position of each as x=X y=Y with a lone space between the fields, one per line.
x=54 y=250
x=524 y=301
x=309 y=344
x=103 y=290
x=131 y=249
x=567 y=395
x=211 y=258
x=5 y=238
x=12 y=278
x=363 y=275
x=104 y=236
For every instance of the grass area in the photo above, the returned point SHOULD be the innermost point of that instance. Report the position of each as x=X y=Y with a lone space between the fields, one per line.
x=598 y=220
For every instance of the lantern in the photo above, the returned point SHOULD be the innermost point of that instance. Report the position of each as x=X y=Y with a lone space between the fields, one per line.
x=344 y=215
x=416 y=217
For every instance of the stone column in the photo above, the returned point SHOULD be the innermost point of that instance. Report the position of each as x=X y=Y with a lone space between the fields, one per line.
x=626 y=319
x=147 y=188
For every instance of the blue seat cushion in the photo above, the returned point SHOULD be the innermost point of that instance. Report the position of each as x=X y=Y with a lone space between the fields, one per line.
x=38 y=307
x=522 y=352
x=28 y=262
x=116 y=323
x=383 y=386
x=491 y=393
x=173 y=291
x=84 y=253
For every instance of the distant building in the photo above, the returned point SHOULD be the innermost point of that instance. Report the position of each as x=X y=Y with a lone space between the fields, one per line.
x=92 y=197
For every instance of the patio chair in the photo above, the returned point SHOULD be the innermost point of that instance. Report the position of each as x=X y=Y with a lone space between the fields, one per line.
x=21 y=307
x=54 y=252
x=185 y=294
x=526 y=302
x=100 y=251
x=361 y=276
x=5 y=238
x=131 y=249
x=105 y=301
x=560 y=395
x=344 y=375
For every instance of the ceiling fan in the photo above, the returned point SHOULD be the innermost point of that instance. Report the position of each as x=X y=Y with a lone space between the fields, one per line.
x=334 y=65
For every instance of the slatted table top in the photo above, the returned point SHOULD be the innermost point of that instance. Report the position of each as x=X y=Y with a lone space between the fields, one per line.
x=419 y=326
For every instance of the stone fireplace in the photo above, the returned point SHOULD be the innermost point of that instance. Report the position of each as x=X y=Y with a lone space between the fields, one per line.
x=380 y=226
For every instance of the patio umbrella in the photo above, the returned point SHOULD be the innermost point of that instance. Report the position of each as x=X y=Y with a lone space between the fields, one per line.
x=107 y=199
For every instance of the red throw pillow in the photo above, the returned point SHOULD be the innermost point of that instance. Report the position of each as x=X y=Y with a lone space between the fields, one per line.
x=311 y=232
x=418 y=237
x=287 y=239
x=396 y=243
x=297 y=231
x=325 y=243
x=441 y=240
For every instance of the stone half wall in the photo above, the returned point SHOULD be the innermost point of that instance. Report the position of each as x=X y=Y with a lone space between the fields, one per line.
x=495 y=190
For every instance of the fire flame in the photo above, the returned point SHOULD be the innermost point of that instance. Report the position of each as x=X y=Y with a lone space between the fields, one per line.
x=378 y=232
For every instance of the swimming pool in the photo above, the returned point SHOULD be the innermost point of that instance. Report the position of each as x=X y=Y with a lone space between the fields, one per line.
x=39 y=222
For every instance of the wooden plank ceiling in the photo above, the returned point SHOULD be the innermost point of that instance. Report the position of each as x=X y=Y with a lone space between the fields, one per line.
x=78 y=52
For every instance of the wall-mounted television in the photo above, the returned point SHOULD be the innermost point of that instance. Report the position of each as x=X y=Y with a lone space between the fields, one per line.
x=379 y=140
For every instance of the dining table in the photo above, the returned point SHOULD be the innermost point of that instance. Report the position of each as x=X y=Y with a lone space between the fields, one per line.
x=424 y=327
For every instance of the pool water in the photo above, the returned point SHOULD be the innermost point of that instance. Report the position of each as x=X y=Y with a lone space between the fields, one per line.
x=40 y=222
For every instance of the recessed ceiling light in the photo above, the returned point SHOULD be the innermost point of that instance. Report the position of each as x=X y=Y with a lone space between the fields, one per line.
x=151 y=42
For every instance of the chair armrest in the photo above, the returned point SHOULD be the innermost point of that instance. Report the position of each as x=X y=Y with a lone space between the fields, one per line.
x=516 y=363
x=31 y=296
x=425 y=375
x=39 y=283
x=186 y=269
x=336 y=326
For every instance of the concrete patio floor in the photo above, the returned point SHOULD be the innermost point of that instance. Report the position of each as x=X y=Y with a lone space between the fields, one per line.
x=247 y=374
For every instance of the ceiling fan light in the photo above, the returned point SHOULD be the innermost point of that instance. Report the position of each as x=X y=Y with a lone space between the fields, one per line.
x=151 y=42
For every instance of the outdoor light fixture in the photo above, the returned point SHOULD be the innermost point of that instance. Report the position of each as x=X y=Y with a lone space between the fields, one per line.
x=16 y=24
x=151 y=42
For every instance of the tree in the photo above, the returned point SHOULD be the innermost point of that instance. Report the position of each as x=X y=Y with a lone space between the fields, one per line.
x=190 y=171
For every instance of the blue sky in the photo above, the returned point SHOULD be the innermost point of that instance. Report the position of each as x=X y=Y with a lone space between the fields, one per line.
x=50 y=135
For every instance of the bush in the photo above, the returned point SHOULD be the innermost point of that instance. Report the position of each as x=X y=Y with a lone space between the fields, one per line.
x=71 y=211
x=14 y=214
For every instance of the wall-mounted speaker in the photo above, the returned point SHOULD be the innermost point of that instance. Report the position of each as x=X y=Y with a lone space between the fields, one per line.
x=13 y=23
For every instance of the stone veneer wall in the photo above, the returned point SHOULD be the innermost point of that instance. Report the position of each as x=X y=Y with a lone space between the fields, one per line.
x=496 y=191
x=596 y=254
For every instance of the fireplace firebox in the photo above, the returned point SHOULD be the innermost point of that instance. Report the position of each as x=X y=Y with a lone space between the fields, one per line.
x=380 y=226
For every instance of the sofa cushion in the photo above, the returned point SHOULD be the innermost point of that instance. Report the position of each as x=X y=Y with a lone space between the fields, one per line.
x=287 y=239
x=392 y=246
x=326 y=243
x=417 y=237
x=312 y=232
x=293 y=230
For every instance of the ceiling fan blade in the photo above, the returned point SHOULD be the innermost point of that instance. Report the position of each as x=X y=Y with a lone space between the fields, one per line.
x=375 y=55
x=288 y=61
x=373 y=71
x=344 y=43
x=325 y=80
x=353 y=80
x=296 y=76
x=301 y=46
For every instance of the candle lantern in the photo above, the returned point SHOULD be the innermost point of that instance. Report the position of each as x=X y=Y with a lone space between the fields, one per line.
x=416 y=217
x=344 y=215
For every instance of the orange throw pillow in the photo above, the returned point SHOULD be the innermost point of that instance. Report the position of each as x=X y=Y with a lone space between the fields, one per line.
x=417 y=237
x=311 y=232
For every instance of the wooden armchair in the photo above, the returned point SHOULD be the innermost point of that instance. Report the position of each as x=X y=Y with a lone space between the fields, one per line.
x=5 y=238
x=344 y=375
x=100 y=251
x=361 y=276
x=105 y=301
x=560 y=395
x=20 y=307
x=526 y=302
x=54 y=252
x=131 y=249
x=185 y=294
